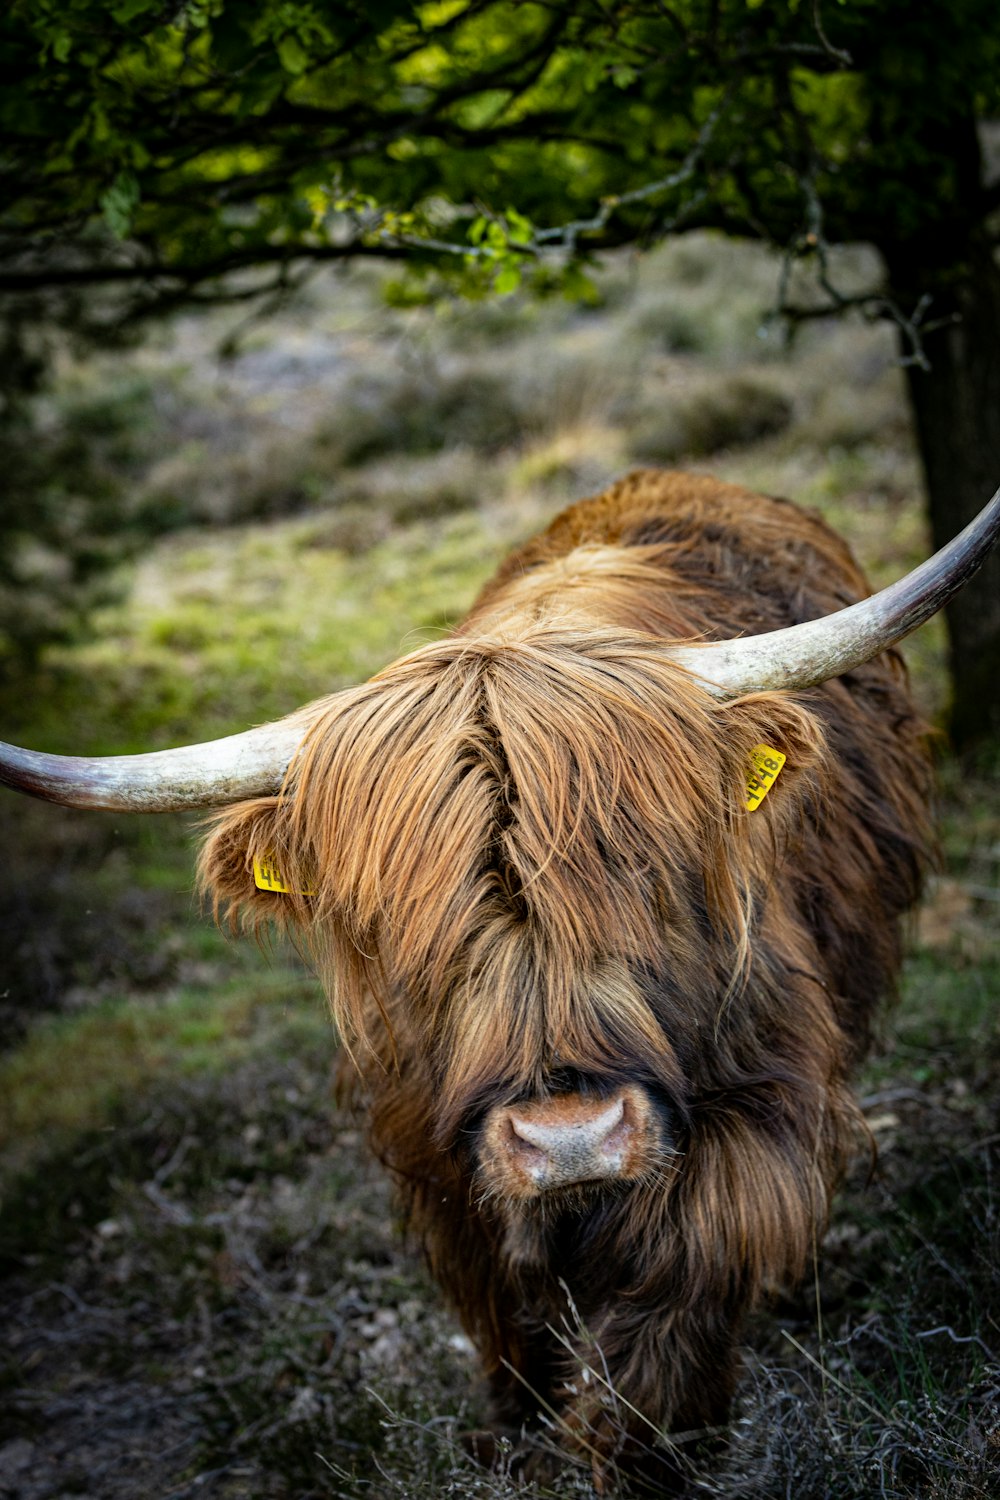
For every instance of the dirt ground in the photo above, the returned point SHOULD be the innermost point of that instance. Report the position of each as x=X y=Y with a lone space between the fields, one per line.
x=210 y=1296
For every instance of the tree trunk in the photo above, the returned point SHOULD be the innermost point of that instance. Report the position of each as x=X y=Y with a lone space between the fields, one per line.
x=956 y=405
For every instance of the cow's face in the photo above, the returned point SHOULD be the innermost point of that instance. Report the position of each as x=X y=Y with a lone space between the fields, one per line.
x=530 y=870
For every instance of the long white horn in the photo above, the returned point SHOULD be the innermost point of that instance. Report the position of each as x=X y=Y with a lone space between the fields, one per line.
x=252 y=764
x=802 y=656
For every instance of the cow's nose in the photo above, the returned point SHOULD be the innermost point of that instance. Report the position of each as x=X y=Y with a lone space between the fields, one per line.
x=569 y=1138
x=570 y=1145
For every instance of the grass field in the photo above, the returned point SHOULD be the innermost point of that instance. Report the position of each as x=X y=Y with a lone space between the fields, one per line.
x=204 y=1289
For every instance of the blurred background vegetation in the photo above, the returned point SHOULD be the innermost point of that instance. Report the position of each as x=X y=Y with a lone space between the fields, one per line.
x=160 y=155
x=210 y=516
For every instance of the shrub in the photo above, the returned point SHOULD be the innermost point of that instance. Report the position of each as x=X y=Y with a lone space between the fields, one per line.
x=67 y=516
x=708 y=416
x=422 y=411
x=670 y=323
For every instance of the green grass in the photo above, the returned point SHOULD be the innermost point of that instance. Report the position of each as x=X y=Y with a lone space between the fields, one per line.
x=235 y=628
x=74 y=1073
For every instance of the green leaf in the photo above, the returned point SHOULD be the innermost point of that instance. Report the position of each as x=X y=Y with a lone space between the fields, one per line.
x=579 y=287
x=294 y=57
x=508 y=278
x=119 y=203
x=127 y=10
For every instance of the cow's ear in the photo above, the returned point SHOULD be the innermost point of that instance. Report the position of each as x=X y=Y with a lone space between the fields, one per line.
x=249 y=868
x=779 y=750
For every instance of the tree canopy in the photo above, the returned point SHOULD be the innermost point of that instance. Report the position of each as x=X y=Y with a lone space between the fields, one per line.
x=156 y=148
x=174 y=153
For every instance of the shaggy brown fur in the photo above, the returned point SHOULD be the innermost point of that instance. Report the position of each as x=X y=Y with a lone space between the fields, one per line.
x=532 y=863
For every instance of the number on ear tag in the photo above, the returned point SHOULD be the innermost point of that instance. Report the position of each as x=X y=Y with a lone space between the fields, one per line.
x=765 y=763
x=267 y=877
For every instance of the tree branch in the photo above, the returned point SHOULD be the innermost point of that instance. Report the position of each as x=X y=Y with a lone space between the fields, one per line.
x=843 y=58
x=566 y=235
x=191 y=274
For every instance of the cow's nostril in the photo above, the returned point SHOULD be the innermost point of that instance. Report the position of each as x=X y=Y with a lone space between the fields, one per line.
x=520 y=1141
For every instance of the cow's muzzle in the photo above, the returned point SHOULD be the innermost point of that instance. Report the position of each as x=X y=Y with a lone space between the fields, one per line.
x=535 y=1146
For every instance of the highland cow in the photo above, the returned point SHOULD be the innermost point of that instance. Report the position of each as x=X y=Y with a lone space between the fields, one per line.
x=601 y=961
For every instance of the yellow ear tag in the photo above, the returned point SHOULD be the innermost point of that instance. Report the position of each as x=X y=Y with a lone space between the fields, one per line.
x=267 y=877
x=765 y=763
